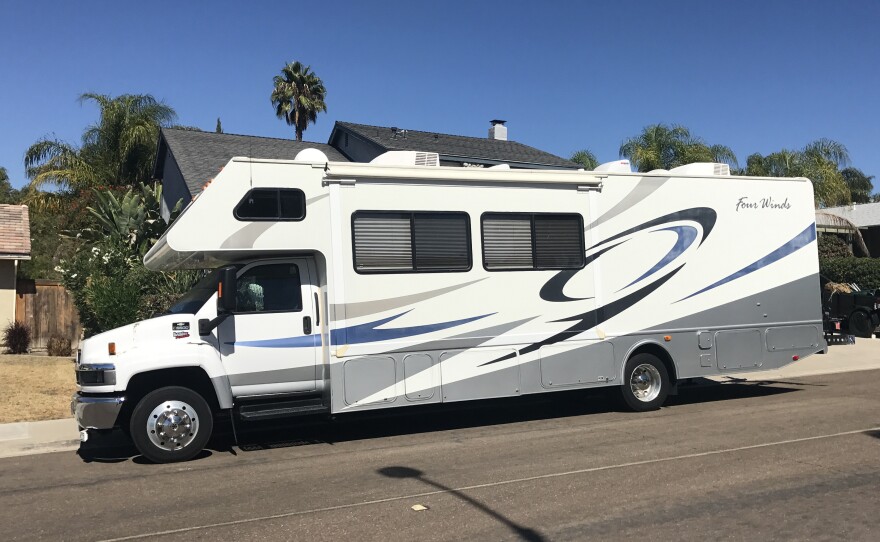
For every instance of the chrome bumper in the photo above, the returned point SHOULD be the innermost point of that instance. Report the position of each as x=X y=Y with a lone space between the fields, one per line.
x=96 y=412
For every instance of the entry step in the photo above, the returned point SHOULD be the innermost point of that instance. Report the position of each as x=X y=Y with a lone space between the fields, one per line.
x=281 y=409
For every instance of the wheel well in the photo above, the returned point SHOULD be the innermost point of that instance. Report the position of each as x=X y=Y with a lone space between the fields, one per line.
x=660 y=353
x=193 y=378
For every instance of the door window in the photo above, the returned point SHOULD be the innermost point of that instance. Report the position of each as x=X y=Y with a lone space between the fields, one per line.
x=269 y=288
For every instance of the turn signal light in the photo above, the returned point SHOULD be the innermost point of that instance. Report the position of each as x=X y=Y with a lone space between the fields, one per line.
x=667 y=338
x=795 y=358
x=111 y=349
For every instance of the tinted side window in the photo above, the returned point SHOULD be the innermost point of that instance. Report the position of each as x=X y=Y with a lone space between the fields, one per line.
x=401 y=242
x=272 y=204
x=532 y=241
x=267 y=288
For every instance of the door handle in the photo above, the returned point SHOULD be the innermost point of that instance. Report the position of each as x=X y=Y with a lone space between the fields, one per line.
x=307 y=325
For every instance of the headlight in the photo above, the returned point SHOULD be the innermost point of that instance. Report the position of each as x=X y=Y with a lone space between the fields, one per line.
x=96 y=374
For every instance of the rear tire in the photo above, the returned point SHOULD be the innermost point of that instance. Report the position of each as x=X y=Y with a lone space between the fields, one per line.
x=645 y=383
x=171 y=424
x=860 y=324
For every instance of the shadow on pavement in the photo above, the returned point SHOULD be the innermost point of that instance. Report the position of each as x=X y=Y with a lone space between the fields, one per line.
x=114 y=446
x=406 y=472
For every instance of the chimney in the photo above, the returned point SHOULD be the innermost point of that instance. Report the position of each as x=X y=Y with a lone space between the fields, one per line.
x=498 y=130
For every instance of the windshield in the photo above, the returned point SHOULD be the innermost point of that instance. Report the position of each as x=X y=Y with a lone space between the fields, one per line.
x=194 y=299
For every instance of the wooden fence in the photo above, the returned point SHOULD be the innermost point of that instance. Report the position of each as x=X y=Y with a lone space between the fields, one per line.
x=48 y=309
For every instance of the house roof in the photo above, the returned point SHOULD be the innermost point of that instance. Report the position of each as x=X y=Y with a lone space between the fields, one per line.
x=863 y=216
x=201 y=155
x=454 y=146
x=15 y=232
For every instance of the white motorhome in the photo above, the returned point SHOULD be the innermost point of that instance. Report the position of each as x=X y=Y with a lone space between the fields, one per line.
x=343 y=287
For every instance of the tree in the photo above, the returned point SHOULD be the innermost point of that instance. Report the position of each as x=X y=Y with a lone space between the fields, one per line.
x=7 y=193
x=585 y=158
x=219 y=128
x=118 y=150
x=860 y=186
x=665 y=147
x=298 y=96
x=819 y=161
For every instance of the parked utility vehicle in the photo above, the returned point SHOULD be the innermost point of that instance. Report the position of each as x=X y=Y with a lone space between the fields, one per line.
x=344 y=287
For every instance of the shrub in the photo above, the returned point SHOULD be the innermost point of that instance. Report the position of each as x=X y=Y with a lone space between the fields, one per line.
x=17 y=337
x=832 y=246
x=59 y=346
x=865 y=272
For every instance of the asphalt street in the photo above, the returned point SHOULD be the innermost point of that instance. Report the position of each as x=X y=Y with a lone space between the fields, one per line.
x=785 y=460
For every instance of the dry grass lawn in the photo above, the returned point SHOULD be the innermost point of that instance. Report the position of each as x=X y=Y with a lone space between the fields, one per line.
x=34 y=388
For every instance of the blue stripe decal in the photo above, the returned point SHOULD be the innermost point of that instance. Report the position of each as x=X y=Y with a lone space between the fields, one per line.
x=686 y=237
x=799 y=241
x=363 y=333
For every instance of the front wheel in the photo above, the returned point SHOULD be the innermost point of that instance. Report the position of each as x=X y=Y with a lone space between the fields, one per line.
x=645 y=383
x=171 y=424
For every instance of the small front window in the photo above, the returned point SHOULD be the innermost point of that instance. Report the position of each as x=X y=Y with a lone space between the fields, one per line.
x=272 y=204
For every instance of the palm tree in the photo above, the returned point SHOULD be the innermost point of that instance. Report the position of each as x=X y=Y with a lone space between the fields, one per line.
x=585 y=158
x=664 y=147
x=298 y=96
x=819 y=161
x=118 y=150
x=860 y=186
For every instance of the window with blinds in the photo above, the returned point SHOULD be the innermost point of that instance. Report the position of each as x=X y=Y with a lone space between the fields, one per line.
x=404 y=242
x=532 y=241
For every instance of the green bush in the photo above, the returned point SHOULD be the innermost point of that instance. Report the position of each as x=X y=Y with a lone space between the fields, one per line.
x=865 y=272
x=59 y=346
x=17 y=337
x=832 y=246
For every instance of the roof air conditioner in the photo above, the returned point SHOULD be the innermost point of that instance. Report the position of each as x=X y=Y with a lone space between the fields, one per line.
x=311 y=155
x=703 y=169
x=617 y=166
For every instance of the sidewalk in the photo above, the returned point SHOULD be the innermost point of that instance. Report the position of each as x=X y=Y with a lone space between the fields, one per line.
x=26 y=438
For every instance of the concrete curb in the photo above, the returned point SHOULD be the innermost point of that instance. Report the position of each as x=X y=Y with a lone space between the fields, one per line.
x=26 y=438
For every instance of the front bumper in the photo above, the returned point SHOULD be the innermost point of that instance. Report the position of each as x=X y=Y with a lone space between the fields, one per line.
x=96 y=412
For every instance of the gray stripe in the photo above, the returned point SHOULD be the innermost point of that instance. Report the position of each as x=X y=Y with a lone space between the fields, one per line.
x=470 y=339
x=247 y=235
x=643 y=189
x=364 y=308
x=297 y=374
x=316 y=198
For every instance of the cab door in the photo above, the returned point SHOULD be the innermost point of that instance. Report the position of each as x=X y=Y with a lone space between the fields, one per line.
x=270 y=344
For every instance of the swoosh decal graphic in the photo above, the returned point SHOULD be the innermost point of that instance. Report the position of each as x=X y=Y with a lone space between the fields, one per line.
x=552 y=289
x=686 y=236
x=799 y=241
x=704 y=216
x=642 y=190
x=365 y=308
x=593 y=318
x=362 y=333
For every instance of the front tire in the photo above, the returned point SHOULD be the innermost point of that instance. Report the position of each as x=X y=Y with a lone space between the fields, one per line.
x=171 y=424
x=645 y=383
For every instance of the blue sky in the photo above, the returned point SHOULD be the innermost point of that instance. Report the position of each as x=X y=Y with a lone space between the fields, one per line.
x=754 y=75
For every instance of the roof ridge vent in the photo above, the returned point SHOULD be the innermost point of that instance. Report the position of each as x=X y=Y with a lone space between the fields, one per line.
x=407 y=158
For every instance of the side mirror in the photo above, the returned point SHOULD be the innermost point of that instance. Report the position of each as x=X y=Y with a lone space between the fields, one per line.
x=226 y=290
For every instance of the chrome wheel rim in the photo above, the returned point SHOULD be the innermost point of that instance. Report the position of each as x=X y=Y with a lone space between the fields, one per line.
x=172 y=425
x=645 y=382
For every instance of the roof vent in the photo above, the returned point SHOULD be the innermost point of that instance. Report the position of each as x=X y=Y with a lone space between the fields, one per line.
x=407 y=158
x=705 y=169
x=617 y=166
x=498 y=130
x=311 y=155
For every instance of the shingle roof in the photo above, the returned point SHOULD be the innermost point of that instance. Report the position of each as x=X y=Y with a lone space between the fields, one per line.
x=455 y=145
x=864 y=215
x=15 y=232
x=200 y=155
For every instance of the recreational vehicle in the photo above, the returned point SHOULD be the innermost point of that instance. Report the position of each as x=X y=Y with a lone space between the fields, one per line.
x=341 y=287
